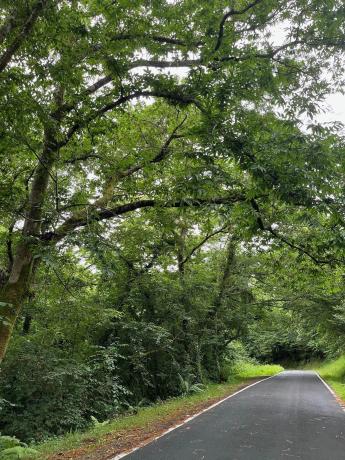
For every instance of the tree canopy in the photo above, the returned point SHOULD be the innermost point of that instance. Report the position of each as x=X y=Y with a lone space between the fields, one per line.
x=168 y=197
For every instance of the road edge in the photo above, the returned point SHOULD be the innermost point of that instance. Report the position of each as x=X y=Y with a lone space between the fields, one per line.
x=145 y=443
x=333 y=393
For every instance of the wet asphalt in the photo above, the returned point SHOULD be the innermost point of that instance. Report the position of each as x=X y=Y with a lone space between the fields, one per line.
x=291 y=416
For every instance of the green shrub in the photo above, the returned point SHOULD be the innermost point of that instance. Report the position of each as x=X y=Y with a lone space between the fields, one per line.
x=8 y=441
x=188 y=387
x=51 y=395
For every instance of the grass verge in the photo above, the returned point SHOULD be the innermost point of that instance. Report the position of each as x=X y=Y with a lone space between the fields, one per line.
x=245 y=370
x=149 y=420
x=333 y=372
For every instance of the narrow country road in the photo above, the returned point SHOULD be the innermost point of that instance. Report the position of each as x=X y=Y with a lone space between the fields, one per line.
x=290 y=416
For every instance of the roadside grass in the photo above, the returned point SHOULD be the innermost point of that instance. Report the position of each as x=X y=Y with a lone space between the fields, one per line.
x=247 y=370
x=157 y=412
x=333 y=372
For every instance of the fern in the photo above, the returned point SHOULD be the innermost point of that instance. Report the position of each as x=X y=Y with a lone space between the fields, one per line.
x=18 y=453
x=187 y=387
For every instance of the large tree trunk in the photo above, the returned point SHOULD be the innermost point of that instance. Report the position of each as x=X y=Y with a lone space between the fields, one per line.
x=13 y=295
x=216 y=350
x=16 y=289
x=230 y=258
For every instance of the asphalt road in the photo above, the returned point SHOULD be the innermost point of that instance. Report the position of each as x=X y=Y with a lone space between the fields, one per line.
x=290 y=416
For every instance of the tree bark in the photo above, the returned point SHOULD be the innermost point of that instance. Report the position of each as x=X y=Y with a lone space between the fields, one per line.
x=12 y=296
x=15 y=291
x=230 y=256
x=215 y=351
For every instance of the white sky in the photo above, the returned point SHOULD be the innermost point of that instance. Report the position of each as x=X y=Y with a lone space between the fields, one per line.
x=335 y=106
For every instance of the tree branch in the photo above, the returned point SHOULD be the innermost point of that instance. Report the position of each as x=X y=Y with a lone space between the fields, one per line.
x=201 y=243
x=302 y=249
x=160 y=155
x=9 y=246
x=269 y=54
x=85 y=157
x=84 y=217
x=226 y=16
x=164 y=64
x=23 y=34
x=184 y=99
x=155 y=38
x=68 y=107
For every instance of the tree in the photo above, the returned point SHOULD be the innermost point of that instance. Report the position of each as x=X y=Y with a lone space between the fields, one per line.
x=70 y=74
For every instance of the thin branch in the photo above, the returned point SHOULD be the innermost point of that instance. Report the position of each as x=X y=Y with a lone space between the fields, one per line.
x=84 y=157
x=23 y=34
x=161 y=64
x=155 y=38
x=226 y=16
x=184 y=99
x=201 y=243
x=64 y=285
x=275 y=234
x=164 y=64
x=160 y=155
x=302 y=249
x=68 y=107
x=269 y=54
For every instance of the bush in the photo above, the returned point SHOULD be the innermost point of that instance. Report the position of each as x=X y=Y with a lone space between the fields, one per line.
x=50 y=395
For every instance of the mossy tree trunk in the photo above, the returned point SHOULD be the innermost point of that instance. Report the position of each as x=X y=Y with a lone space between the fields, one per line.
x=13 y=295
x=15 y=289
x=216 y=351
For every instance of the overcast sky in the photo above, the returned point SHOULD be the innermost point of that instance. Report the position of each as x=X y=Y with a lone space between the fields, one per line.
x=335 y=104
x=335 y=109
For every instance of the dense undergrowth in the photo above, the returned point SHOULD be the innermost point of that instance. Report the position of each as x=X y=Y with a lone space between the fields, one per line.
x=140 y=417
x=143 y=416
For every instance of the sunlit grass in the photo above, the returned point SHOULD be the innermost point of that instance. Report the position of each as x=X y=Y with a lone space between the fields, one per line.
x=245 y=370
x=334 y=373
x=333 y=369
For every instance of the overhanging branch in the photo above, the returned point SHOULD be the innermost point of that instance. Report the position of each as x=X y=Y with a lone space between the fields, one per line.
x=176 y=97
x=83 y=218
x=292 y=245
x=201 y=243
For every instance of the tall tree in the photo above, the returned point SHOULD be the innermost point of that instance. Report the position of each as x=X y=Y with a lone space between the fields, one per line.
x=70 y=74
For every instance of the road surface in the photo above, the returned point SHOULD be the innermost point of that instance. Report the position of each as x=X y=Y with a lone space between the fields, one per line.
x=290 y=416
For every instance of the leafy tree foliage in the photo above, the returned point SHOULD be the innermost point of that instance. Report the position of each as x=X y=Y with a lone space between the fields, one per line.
x=165 y=193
